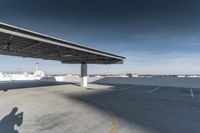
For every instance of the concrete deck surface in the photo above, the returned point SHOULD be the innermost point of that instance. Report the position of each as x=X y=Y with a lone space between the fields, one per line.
x=50 y=107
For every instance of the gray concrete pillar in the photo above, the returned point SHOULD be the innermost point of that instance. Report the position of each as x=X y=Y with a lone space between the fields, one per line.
x=83 y=75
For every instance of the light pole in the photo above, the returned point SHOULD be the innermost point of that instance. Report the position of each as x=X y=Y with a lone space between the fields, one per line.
x=36 y=66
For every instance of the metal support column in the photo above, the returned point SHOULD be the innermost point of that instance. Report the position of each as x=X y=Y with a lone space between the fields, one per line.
x=83 y=75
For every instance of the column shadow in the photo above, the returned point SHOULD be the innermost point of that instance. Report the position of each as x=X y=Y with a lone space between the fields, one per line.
x=169 y=110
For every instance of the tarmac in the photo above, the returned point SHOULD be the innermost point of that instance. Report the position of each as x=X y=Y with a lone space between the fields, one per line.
x=52 y=107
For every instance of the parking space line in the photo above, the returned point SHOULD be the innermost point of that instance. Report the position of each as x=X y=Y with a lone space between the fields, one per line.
x=155 y=89
x=191 y=93
x=130 y=87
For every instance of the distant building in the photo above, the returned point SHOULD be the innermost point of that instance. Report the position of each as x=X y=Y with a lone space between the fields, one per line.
x=132 y=75
x=181 y=76
x=39 y=74
x=1 y=74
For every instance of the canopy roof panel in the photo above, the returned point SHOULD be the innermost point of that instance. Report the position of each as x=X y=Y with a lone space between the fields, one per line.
x=17 y=41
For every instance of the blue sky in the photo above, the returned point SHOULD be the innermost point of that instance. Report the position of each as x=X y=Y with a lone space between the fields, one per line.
x=156 y=37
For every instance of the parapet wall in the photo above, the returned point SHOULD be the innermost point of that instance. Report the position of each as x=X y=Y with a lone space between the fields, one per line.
x=165 y=81
x=155 y=81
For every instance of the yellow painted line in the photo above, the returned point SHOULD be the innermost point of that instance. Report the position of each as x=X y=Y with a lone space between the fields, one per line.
x=114 y=120
x=114 y=124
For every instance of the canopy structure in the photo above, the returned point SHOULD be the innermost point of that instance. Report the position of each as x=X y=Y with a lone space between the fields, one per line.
x=17 y=41
x=21 y=42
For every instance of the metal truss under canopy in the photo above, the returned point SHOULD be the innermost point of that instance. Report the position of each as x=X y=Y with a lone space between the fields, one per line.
x=16 y=41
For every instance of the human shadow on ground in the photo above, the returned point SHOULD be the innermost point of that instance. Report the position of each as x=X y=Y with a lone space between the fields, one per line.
x=10 y=121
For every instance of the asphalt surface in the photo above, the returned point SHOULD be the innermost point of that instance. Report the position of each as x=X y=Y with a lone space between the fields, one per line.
x=50 y=107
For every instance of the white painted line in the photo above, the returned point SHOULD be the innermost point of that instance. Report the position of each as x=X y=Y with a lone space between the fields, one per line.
x=191 y=93
x=155 y=89
x=130 y=87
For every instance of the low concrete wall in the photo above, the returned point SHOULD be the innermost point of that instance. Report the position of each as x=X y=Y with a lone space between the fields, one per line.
x=78 y=79
x=171 y=82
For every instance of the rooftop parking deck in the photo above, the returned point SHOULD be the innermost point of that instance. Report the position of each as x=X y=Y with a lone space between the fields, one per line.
x=51 y=107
